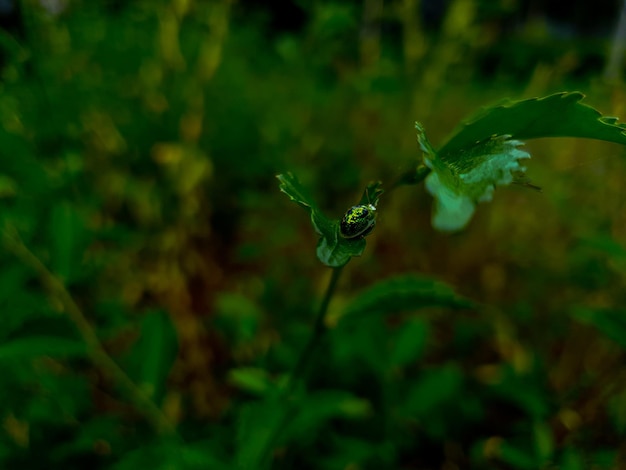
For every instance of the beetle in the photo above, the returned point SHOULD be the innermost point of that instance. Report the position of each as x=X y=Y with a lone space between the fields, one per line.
x=358 y=221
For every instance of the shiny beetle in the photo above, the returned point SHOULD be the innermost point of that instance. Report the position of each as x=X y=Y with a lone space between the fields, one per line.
x=358 y=221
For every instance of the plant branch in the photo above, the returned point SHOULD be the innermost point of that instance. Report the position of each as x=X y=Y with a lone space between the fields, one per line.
x=96 y=351
x=319 y=329
x=300 y=369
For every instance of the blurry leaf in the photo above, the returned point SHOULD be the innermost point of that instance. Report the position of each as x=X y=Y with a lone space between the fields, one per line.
x=607 y=245
x=544 y=442
x=409 y=344
x=458 y=185
x=317 y=408
x=404 y=293
x=515 y=457
x=171 y=456
x=97 y=429
x=352 y=346
x=8 y=187
x=250 y=379
x=61 y=397
x=605 y=458
x=571 y=460
x=528 y=395
x=616 y=408
x=558 y=115
x=200 y=456
x=332 y=249
x=348 y=452
x=257 y=427
x=12 y=280
x=610 y=323
x=372 y=193
x=67 y=233
x=237 y=316
x=154 y=353
x=434 y=388
x=42 y=346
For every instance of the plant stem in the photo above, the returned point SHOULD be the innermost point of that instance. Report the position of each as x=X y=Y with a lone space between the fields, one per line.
x=96 y=351
x=411 y=177
x=319 y=329
x=300 y=369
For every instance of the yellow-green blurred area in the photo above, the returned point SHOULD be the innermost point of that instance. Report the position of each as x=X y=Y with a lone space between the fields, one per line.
x=157 y=288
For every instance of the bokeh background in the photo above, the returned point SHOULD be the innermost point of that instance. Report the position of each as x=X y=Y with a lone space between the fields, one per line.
x=143 y=228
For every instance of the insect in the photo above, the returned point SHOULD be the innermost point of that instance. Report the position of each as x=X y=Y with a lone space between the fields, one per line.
x=358 y=221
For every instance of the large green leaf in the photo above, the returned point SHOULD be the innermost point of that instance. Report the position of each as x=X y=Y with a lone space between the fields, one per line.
x=484 y=151
x=457 y=187
x=332 y=249
x=558 y=115
x=404 y=293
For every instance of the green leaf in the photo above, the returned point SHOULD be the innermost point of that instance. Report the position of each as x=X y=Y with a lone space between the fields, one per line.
x=67 y=232
x=544 y=441
x=571 y=460
x=404 y=293
x=484 y=151
x=609 y=322
x=515 y=457
x=35 y=346
x=458 y=185
x=332 y=249
x=167 y=455
x=558 y=115
x=409 y=344
x=257 y=425
x=317 y=408
x=435 y=388
x=153 y=355
x=372 y=193
x=251 y=379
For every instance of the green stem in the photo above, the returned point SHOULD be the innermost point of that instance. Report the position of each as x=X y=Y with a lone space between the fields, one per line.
x=411 y=177
x=319 y=328
x=96 y=351
x=301 y=368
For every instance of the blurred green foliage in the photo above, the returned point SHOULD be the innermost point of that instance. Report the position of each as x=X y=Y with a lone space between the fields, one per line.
x=158 y=289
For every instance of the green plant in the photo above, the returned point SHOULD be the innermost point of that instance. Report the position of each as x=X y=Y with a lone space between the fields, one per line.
x=483 y=153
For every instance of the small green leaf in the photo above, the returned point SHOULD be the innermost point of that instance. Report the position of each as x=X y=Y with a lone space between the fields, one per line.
x=558 y=115
x=404 y=293
x=250 y=379
x=332 y=249
x=372 y=193
x=35 y=346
